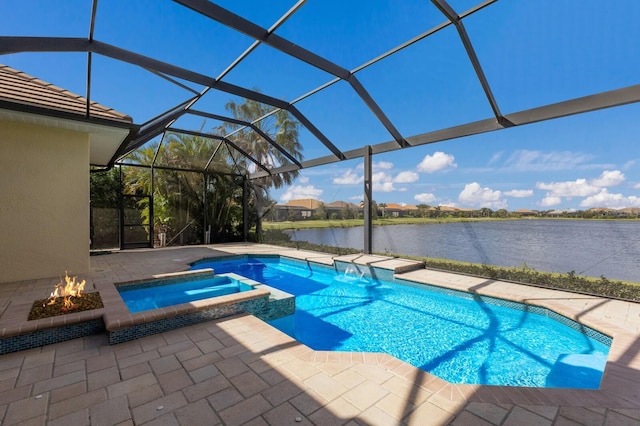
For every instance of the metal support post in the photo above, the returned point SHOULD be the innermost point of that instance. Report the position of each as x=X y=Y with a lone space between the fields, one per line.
x=368 y=228
x=245 y=209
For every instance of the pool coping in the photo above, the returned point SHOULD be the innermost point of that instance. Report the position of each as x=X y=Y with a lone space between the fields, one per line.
x=117 y=316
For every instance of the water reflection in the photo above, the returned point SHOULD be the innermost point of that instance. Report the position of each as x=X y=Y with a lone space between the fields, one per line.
x=589 y=247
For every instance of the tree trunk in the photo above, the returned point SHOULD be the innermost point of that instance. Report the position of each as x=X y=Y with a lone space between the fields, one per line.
x=260 y=210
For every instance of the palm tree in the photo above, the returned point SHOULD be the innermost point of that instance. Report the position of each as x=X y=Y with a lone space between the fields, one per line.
x=485 y=212
x=281 y=128
x=423 y=209
x=382 y=207
x=179 y=195
x=104 y=222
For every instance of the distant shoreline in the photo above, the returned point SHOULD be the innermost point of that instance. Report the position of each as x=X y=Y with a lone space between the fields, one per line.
x=349 y=223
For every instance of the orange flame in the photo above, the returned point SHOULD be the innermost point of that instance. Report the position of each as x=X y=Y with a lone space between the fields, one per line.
x=68 y=290
x=68 y=304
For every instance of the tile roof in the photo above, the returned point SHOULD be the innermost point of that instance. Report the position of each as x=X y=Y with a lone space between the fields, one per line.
x=19 y=87
x=526 y=212
x=395 y=206
x=308 y=203
x=342 y=205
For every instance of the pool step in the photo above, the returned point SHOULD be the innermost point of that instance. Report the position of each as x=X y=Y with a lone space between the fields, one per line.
x=395 y=265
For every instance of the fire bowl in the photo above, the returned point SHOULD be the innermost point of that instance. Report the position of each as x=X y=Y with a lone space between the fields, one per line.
x=45 y=308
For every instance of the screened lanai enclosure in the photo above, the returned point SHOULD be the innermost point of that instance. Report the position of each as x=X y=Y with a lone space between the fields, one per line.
x=232 y=100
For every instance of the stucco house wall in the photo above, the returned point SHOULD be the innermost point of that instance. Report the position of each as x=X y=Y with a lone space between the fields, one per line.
x=44 y=201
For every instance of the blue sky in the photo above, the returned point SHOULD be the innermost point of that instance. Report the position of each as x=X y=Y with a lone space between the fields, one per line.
x=532 y=52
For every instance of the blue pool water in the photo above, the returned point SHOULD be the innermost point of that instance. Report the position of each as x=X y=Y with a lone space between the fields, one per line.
x=460 y=339
x=158 y=294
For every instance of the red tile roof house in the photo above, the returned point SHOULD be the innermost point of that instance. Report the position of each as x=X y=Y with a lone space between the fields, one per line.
x=49 y=137
x=399 y=210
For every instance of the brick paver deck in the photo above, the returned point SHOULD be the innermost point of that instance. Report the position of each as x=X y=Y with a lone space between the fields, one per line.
x=242 y=371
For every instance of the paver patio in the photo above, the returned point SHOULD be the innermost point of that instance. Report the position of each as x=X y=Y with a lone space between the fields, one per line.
x=240 y=370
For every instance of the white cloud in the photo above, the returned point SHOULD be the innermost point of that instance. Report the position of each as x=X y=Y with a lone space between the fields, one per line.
x=577 y=188
x=348 y=178
x=636 y=186
x=383 y=186
x=303 y=179
x=527 y=160
x=550 y=201
x=438 y=161
x=495 y=157
x=609 y=178
x=380 y=177
x=581 y=187
x=519 y=193
x=386 y=165
x=295 y=192
x=406 y=177
x=474 y=195
x=382 y=182
x=614 y=201
x=424 y=198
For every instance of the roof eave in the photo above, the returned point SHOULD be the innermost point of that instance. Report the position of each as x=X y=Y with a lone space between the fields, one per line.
x=106 y=137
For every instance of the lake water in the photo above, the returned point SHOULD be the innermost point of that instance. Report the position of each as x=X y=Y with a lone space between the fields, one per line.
x=588 y=247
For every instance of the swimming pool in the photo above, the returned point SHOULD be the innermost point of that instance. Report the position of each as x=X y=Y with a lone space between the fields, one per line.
x=460 y=337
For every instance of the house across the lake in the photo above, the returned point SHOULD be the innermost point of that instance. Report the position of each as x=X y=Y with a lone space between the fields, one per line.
x=526 y=213
x=309 y=208
x=398 y=210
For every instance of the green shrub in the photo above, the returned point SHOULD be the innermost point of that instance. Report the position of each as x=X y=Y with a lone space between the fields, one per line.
x=275 y=236
x=525 y=275
x=304 y=245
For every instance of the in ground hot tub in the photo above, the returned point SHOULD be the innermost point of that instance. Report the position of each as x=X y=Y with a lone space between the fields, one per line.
x=169 y=301
x=161 y=293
